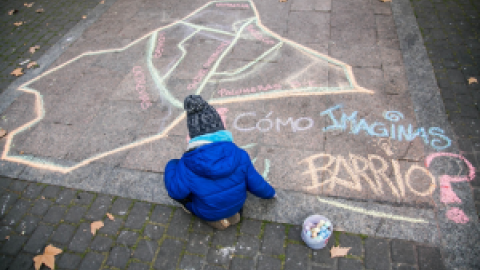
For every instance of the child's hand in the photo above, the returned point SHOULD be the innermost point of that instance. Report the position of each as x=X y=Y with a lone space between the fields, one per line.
x=274 y=196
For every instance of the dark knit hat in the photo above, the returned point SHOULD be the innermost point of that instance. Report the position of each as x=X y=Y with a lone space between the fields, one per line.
x=202 y=118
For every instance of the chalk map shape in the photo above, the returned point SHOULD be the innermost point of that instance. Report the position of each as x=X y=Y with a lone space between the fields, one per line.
x=101 y=103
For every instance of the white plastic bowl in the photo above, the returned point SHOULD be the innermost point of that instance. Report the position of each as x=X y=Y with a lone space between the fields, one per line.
x=313 y=242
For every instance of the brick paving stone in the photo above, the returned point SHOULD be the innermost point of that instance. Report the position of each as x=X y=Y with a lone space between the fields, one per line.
x=91 y=261
x=51 y=192
x=127 y=238
x=182 y=221
x=63 y=234
x=81 y=239
x=41 y=207
x=118 y=257
x=242 y=264
x=66 y=196
x=403 y=252
x=84 y=198
x=350 y=264
x=220 y=256
x=27 y=225
x=273 y=239
x=429 y=258
x=33 y=191
x=5 y=231
x=296 y=257
x=18 y=185
x=247 y=245
x=138 y=216
x=5 y=182
x=377 y=254
x=225 y=238
x=5 y=261
x=353 y=241
x=191 y=262
x=316 y=267
x=138 y=266
x=75 y=213
x=145 y=250
x=251 y=227
x=6 y=201
x=268 y=263
x=295 y=233
x=69 y=261
x=38 y=240
x=323 y=255
x=23 y=261
x=99 y=208
x=161 y=214
x=200 y=226
x=154 y=232
x=198 y=243
x=213 y=267
x=16 y=213
x=54 y=214
x=111 y=227
x=169 y=254
x=101 y=243
x=404 y=267
x=13 y=245
x=120 y=206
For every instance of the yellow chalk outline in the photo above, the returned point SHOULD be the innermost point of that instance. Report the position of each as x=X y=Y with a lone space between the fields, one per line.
x=371 y=212
x=34 y=162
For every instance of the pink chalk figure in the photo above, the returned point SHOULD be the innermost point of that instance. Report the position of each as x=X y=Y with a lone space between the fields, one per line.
x=447 y=195
x=223 y=114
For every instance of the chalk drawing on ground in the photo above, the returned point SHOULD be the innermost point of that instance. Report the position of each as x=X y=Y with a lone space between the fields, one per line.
x=195 y=55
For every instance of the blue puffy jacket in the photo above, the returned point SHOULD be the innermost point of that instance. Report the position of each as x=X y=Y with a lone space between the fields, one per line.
x=216 y=177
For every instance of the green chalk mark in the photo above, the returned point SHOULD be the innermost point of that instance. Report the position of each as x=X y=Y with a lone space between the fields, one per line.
x=209 y=29
x=266 y=171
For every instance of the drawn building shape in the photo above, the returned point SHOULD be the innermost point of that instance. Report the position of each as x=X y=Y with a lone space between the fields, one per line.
x=101 y=103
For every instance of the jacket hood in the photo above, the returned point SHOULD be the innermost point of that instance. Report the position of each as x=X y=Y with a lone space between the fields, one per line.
x=213 y=161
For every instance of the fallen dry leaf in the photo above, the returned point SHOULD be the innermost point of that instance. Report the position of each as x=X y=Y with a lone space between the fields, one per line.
x=7 y=237
x=21 y=152
x=34 y=48
x=43 y=197
x=47 y=258
x=29 y=5
x=472 y=80
x=18 y=23
x=17 y=72
x=3 y=132
x=110 y=216
x=32 y=64
x=96 y=226
x=339 y=251
x=102 y=2
x=40 y=10
x=283 y=0
x=386 y=1
x=84 y=16
x=13 y=11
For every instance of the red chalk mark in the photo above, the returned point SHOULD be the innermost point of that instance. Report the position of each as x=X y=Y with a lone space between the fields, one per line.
x=140 y=82
x=249 y=90
x=202 y=72
x=232 y=5
x=447 y=195
x=456 y=215
x=160 y=43
x=256 y=34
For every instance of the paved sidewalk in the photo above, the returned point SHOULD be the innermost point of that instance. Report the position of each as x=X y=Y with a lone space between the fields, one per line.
x=343 y=84
x=145 y=236
x=43 y=29
x=451 y=32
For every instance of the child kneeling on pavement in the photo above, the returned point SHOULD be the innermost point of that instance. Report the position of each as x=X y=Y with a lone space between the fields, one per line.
x=213 y=176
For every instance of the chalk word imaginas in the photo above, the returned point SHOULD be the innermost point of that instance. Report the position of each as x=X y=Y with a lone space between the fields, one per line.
x=161 y=42
x=202 y=72
x=140 y=82
x=233 y=5
x=267 y=124
x=377 y=129
x=256 y=34
x=357 y=167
